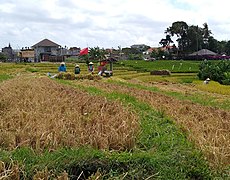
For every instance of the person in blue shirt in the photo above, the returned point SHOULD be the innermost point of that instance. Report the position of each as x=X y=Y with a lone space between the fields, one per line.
x=62 y=67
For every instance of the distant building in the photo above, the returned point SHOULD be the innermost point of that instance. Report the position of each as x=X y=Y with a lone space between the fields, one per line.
x=140 y=47
x=8 y=52
x=157 y=49
x=44 y=49
x=73 y=51
x=26 y=55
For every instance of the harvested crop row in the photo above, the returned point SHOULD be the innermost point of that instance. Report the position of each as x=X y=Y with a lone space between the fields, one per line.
x=42 y=114
x=208 y=127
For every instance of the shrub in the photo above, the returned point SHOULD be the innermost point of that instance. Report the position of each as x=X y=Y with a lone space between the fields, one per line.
x=215 y=71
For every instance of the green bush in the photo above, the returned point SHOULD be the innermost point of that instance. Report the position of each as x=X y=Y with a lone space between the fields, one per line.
x=215 y=71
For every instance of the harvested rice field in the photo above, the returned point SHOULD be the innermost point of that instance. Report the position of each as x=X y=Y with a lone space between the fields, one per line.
x=132 y=125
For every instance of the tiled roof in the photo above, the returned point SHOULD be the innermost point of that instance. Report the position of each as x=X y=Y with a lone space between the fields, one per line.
x=203 y=52
x=46 y=43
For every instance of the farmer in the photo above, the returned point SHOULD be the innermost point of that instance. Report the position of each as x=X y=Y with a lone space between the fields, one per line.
x=102 y=68
x=62 y=67
x=206 y=81
x=77 y=69
x=91 y=67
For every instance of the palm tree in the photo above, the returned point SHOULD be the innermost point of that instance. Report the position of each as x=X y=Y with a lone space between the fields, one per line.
x=206 y=34
x=166 y=42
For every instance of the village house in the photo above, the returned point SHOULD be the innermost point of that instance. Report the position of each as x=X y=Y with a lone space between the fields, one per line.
x=73 y=51
x=26 y=55
x=44 y=49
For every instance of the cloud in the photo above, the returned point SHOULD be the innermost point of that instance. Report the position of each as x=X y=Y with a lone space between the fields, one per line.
x=105 y=23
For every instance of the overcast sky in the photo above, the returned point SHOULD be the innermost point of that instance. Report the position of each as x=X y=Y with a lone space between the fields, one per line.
x=105 y=23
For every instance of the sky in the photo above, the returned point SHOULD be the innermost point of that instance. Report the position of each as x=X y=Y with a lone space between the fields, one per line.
x=105 y=23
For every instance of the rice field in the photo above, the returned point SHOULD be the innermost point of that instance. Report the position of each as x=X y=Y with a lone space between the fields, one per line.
x=208 y=127
x=132 y=125
x=41 y=114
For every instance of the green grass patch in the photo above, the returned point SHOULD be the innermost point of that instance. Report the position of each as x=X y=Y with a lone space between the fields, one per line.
x=174 y=78
x=171 y=65
x=4 y=77
x=196 y=98
x=32 y=69
x=112 y=165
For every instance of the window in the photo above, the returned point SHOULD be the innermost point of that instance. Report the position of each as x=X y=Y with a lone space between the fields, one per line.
x=47 y=49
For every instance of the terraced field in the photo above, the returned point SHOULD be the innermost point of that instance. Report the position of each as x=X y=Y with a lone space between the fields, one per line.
x=132 y=125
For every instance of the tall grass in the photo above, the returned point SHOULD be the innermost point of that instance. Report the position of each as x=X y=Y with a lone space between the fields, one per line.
x=4 y=77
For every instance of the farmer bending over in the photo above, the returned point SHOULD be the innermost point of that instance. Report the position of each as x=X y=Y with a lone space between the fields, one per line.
x=91 y=67
x=77 y=69
x=62 y=67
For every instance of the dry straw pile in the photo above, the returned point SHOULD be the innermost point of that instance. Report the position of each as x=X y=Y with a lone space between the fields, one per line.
x=42 y=114
x=72 y=76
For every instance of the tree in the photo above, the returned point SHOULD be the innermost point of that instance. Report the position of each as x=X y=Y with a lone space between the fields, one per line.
x=194 y=39
x=205 y=34
x=166 y=42
x=221 y=46
x=179 y=29
x=3 y=57
x=190 y=38
x=227 y=48
x=213 y=44
x=96 y=53
x=126 y=51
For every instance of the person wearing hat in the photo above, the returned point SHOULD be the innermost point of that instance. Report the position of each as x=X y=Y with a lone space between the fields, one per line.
x=62 y=67
x=206 y=81
x=91 y=67
x=77 y=69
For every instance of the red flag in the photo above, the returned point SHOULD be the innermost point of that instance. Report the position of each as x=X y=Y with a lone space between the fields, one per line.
x=84 y=51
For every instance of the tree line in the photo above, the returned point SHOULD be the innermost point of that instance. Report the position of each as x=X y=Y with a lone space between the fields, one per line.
x=193 y=38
